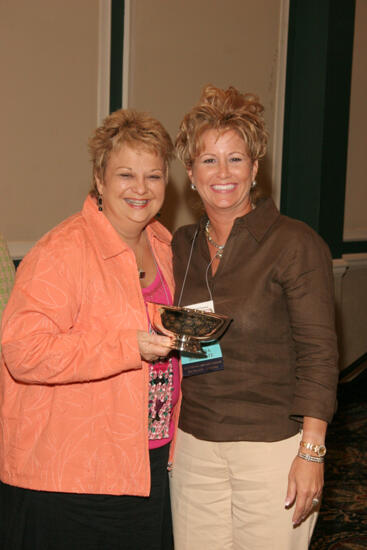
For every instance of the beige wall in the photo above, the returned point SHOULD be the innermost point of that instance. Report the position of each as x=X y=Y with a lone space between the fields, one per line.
x=51 y=67
x=178 y=46
x=50 y=60
x=355 y=222
x=49 y=64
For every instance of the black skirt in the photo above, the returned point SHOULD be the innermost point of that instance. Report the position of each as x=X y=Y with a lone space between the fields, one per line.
x=42 y=520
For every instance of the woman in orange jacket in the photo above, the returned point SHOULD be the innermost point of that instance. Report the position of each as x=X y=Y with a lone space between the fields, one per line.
x=89 y=394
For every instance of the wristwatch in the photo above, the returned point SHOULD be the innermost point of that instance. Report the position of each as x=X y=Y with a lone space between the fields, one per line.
x=320 y=450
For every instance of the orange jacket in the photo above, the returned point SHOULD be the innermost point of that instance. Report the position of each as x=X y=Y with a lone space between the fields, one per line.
x=73 y=387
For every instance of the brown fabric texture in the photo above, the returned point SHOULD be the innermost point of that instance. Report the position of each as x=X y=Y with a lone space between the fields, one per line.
x=280 y=352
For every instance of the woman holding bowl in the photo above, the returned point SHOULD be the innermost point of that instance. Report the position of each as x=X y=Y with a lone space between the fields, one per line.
x=88 y=393
x=248 y=470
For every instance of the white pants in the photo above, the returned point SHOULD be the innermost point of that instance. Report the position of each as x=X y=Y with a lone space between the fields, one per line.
x=230 y=496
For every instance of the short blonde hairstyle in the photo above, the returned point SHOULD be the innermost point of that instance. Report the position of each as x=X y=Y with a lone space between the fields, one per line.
x=222 y=110
x=132 y=128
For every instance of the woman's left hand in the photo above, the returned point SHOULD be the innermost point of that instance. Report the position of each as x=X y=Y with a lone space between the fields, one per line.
x=305 y=482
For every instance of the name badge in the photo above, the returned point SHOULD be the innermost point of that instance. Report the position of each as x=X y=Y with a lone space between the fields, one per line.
x=213 y=361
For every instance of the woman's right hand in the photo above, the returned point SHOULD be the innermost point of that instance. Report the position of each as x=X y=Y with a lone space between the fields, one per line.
x=153 y=346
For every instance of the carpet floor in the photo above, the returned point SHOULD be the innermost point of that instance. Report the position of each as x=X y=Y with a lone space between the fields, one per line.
x=342 y=524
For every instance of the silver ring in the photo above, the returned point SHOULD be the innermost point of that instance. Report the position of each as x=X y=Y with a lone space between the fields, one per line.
x=315 y=501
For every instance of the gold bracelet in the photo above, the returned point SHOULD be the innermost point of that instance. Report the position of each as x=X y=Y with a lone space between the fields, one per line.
x=320 y=450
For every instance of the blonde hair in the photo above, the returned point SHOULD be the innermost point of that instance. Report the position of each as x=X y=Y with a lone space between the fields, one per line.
x=222 y=110
x=132 y=128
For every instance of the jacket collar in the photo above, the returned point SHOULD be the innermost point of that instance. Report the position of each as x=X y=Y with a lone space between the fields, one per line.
x=106 y=237
x=257 y=222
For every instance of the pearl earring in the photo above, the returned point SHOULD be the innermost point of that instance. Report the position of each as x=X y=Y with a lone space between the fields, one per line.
x=193 y=186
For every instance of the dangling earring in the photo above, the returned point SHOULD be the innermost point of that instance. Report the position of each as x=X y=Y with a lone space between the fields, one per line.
x=193 y=186
x=100 y=203
x=253 y=184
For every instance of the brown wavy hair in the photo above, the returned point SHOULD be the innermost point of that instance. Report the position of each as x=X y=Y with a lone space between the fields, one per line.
x=222 y=110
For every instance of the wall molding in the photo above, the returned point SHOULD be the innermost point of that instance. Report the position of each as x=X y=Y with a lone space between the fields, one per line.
x=340 y=266
x=349 y=261
x=356 y=260
x=126 y=55
x=355 y=234
x=104 y=50
x=280 y=101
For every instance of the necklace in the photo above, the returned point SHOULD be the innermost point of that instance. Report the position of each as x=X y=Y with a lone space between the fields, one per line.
x=219 y=247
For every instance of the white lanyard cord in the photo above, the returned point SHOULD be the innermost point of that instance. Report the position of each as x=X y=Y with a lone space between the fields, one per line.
x=188 y=266
x=207 y=280
x=187 y=270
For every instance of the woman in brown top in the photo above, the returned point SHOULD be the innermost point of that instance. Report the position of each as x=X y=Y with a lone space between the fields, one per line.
x=248 y=470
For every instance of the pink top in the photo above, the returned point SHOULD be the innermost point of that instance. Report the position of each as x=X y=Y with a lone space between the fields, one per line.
x=164 y=380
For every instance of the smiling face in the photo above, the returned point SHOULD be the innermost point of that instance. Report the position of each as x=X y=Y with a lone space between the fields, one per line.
x=223 y=173
x=132 y=189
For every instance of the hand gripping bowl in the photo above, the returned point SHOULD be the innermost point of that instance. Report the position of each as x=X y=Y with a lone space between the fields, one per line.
x=188 y=327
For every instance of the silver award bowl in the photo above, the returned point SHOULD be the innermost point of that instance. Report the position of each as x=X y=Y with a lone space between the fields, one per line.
x=187 y=327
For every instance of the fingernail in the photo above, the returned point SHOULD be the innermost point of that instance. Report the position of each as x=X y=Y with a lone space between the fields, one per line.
x=287 y=503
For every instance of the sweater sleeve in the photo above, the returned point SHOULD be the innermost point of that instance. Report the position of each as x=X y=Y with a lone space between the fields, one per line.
x=307 y=281
x=40 y=341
